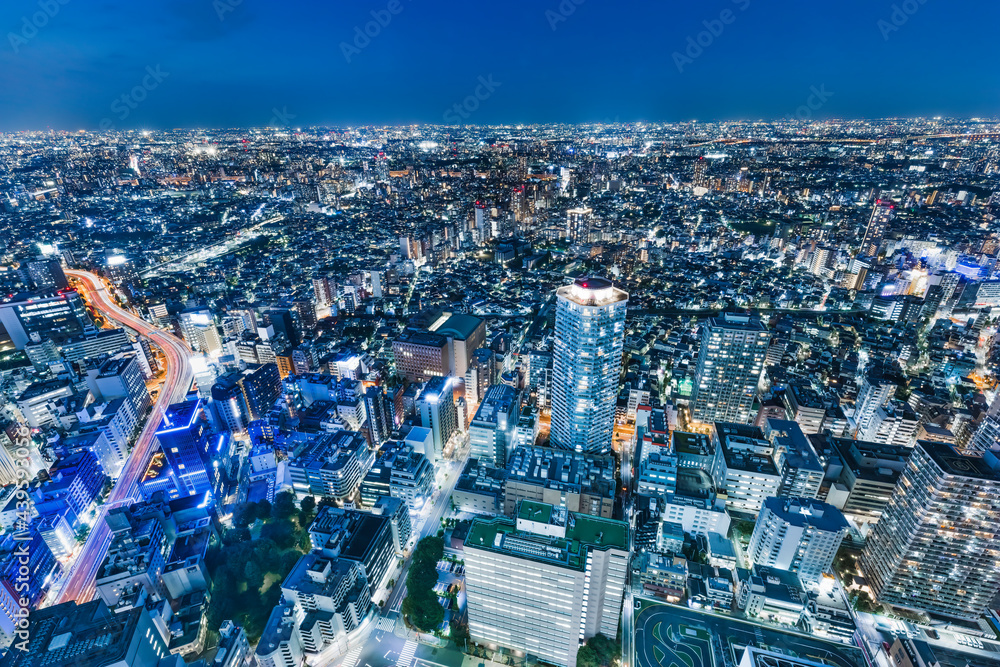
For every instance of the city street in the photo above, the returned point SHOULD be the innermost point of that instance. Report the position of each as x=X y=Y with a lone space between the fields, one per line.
x=79 y=584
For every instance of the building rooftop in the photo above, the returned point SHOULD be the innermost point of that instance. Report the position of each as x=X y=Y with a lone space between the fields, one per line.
x=582 y=532
x=807 y=512
x=456 y=325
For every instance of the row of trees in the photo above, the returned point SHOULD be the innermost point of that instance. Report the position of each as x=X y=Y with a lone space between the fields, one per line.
x=421 y=606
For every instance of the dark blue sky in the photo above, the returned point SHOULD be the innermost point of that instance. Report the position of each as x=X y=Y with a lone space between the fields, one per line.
x=607 y=60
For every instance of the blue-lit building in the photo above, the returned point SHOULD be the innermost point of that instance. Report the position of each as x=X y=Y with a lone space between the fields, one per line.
x=73 y=485
x=186 y=444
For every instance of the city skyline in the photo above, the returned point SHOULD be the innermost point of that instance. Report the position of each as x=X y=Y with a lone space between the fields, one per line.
x=222 y=64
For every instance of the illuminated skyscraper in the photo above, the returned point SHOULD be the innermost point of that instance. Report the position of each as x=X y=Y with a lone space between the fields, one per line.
x=878 y=224
x=586 y=364
x=730 y=363
x=183 y=437
x=935 y=547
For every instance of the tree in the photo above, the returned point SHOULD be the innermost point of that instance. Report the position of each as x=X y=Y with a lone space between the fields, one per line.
x=459 y=634
x=421 y=605
x=263 y=509
x=254 y=577
x=284 y=506
x=599 y=651
x=307 y=511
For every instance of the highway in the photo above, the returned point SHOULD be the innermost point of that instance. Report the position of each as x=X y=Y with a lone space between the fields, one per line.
x=78 y=584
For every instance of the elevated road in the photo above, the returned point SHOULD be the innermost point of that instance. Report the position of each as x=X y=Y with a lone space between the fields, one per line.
x=79 y=582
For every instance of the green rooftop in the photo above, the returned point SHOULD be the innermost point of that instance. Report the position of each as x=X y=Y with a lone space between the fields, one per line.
x=532 y=511
x=583 y=532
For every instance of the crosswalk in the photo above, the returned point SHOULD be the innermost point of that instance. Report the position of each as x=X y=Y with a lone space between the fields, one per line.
x=406 y=655
x=351 y=659
x=387 y=624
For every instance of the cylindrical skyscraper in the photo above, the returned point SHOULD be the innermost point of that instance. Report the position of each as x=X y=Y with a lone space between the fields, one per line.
x=586 y=364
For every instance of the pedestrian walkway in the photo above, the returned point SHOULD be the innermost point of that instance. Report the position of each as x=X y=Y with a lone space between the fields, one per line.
x=406 y=655
x=351 y=659
x=387 y=624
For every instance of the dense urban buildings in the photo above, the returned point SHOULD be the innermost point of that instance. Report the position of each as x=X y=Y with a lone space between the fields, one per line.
x=300 y=396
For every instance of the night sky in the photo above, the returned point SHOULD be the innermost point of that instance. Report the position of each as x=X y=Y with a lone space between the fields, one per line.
x=227 y=63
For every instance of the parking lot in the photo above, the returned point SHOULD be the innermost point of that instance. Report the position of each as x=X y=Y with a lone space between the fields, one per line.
x=671 y=636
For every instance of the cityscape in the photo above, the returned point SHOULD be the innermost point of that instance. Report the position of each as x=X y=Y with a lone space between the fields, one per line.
x=429 y=367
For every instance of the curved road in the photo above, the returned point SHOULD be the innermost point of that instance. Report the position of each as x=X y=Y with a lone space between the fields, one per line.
x=79 y=583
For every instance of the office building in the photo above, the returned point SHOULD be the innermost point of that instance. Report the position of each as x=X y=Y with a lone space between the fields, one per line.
x=70 y=634
x=47 y=274
x=465 y=334
x=436 y=407
x=730 y=363
x=491 y=432
x=121 y=377
x=199 y=330
x=93 y=342
x=362 y=537
x=865 y=476
x=482 y=373
x=586 y=364
x=330 y=465
x=183 y=437
x=744 y=466
x=398 y=472
x=801 y=535
x=137 y=553
x=244 y=396
x=935 y=547
x=421 y=355
x=545 y=581
x=37 y=316
x=581 y=483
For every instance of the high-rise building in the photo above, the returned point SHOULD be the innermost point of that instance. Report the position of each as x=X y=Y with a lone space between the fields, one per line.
x=878 y=224
x=730 y=363
x=492 y=429
x=935 y=547
x=587 y=361
x=199 y=330
x=874 y=393
x=797 y=534
x=436 y=407
x=380 y=415
x=545 y=582
x=481 y=374
x=90 y=634
x=37 y=316
x=47 y=274
x=183 y=437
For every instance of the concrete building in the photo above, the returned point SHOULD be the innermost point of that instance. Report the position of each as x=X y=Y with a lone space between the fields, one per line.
x=801 y=535
x=730 y=363
x=586 y=364
x=935 y=547
x=330 y=465
x=436 y=407
x=491 y=432
x=332 y=598
x=90 y=634
x=582 y=483
x=744 y=466
x=546 y=581
x=480 y=489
